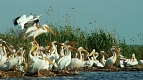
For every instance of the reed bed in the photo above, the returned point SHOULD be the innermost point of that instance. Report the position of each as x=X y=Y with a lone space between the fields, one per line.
x=97 y=39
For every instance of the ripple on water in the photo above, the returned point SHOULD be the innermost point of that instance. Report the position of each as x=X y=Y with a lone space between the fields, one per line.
x=98 y=75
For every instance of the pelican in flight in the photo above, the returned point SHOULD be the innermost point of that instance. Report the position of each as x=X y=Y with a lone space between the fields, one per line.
x=44 y=29
x=26 y=22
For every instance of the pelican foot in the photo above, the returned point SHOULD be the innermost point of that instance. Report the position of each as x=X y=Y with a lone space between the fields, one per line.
x=75 y=72
x=67 y=72
x=0 y=72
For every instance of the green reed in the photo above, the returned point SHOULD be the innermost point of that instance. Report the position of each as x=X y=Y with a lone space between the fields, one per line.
x=98 y=39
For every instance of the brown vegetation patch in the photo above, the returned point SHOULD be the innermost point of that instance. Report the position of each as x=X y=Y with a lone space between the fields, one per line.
x=47 y=73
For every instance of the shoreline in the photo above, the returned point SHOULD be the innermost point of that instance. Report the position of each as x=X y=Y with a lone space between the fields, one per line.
x=47 y=73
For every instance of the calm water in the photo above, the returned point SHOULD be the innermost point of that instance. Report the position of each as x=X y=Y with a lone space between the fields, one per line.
x=122 y=75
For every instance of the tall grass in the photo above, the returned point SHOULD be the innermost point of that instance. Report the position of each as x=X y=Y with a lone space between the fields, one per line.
x=98 y=39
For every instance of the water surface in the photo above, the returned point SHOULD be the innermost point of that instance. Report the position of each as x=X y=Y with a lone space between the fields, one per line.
x=98 y=75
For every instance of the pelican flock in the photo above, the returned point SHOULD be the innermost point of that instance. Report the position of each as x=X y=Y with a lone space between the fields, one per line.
x=55 y=54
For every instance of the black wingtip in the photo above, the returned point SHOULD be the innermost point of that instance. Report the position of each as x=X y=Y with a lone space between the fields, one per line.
x=15 y=21
x=36 y=21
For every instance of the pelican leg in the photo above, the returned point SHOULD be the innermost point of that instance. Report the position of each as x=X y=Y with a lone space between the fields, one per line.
x=24 y=36
x=39 y=73
x=110 y=66
x=66 y=71
x=14 y=70
x=75 y=71
x=0 y=72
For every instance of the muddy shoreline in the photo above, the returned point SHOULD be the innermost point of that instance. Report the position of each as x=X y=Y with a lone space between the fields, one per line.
x=47 y=73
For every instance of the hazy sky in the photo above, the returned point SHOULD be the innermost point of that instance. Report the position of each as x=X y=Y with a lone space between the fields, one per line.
x=124 y=16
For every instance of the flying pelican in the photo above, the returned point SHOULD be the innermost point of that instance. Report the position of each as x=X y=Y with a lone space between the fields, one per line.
x=39 y=31
x=75 y=62
x=32 y=28
x=26 y=22
x=111 y=60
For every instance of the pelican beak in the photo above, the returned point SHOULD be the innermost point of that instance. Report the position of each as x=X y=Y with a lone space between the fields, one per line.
x=71 y=43
x=84 y=50
x=62 y=46
x=105 y=54
x=116 y=51
x=33 y=48
x=7 y=47
x=0 y=46
x=72 y=48
x=91 y=53
x=50 y=31
x=96 y=54
x=37 y=25
x=57 y=43
x=49 y=61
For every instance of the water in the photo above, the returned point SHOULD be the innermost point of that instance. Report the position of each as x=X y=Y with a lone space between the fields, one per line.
x=98 y=75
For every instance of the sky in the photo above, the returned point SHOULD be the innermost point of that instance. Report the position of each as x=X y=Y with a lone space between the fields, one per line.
x=125 y=17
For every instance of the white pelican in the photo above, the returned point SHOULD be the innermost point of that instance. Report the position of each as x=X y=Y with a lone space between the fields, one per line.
x=140 y=62
x=85 y=63
x=3 y=53
x=62 y=50
x=16 y=60
x=32 y=28
x=102 y=60
x=96 y=63
x=75 y=62
x=93 y=61
x=90 y=61
x=37 y=63
x=53 y=54
x=39 y=31
x=122 y=61
x=65 y=60
x=111 y=60
x=26 y=22
x=133 y=61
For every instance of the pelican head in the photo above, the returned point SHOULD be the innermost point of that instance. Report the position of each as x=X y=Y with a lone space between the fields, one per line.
x=48 y=28
x=113 y=48
x=82 y=49
x=96 y=53
x=93 y=52
x=133 y=56
x=103 y=53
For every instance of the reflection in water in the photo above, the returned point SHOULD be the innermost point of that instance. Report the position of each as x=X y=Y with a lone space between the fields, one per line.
x=98 y=75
